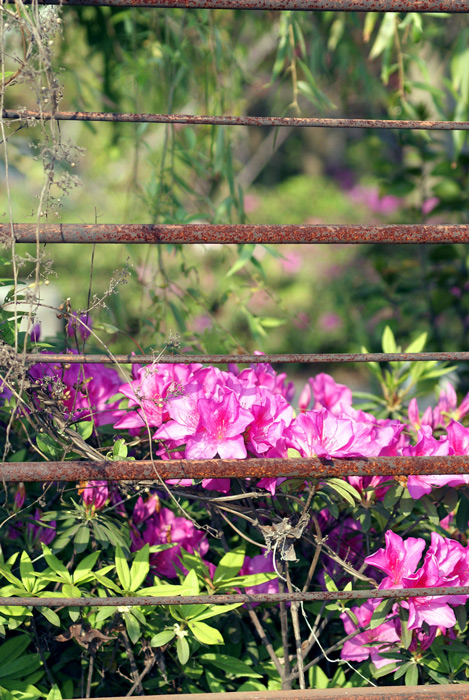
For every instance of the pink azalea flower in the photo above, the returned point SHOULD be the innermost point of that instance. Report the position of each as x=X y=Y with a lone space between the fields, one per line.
x=220 y=429
x=270 y=483
x=95 y=495
x=328 y=394
x=144 y=509
x=434 y=610
x=259 y=564
x=37 y=533
x=458 y=437
x=220 y=485
x=428 y=419
x=322 y=434
x=165 y=528
x=20 y=497
x=448 y=407
x=354 y=649
x=79 y=324
x=419 y=485
x=398 y=559
x=272 y=414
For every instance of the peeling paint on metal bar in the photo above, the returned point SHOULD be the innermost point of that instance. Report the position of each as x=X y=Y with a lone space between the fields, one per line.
x=397 y=593
x=304 y=468
x=235 y=233
x=453 y=6
x=228 y=120
x=291 y=358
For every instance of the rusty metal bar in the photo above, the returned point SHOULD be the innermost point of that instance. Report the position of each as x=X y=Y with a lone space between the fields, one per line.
x=398 y=593
x=291 y=358
x=409 y=692
x=452 y=6
x=235 y=233
x=146 y=470
x=227 y=120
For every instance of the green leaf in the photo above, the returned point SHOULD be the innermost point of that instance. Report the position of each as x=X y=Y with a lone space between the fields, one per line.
x=191 y=583
x=330 y=585
x=388 y=341
x=412 y=675
x=384 y=40
x=13 y=648
x=162 y=638
x=205 y=634
x=133 y=627
x=246 y=253
x=27 y=571
x=253 y=685
x=230 y=564
x=229 y=664
x=54 y=693
x=183 y=651
x=49 y=446
x=381 y=612
x=71 y=591
x=85 y=566
x=317 y=678
x=119 y=449
x=84 y=429
x=461 y=616
x=418 y=344
x=140 y=568
x=19 y=667
x=82 y=538
x=214 y=683
x=104 y=613
x=215 y=610
x=56 y=565
x=406 y=634
x=50 y=616
x=271 y=322
x=344 y=490
x=122 y=568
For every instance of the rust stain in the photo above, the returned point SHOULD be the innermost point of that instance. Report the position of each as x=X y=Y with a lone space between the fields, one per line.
x=397 y=593
x=308 y=468
x=453 y=6
x=241 y=233
x=421 y=692
x=227 y=120
x=291 y=358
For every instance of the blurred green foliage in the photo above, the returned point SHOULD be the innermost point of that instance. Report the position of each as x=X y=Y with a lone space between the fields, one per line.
x=309 y=298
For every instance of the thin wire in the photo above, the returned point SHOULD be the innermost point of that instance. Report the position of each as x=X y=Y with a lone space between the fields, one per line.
x=313 y=633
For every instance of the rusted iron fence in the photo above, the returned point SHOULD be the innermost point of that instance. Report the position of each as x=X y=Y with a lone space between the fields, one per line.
x=200 y=233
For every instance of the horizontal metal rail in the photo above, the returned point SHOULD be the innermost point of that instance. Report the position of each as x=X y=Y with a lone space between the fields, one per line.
x=235 y=233
x=409 y=692
x=453 y=6
x=291 y=358
x=23 y=115
x=397 y=593
x=304 y=468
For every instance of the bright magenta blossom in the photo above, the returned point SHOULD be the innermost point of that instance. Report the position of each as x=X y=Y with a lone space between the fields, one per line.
x=446 y=563
x=95 y=495
x=166 y=528
x=220 y=429
x=398 y=559
x=354 y=649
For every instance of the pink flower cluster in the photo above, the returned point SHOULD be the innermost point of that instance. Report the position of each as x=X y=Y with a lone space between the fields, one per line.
x=204 y=412
x=446 y=563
